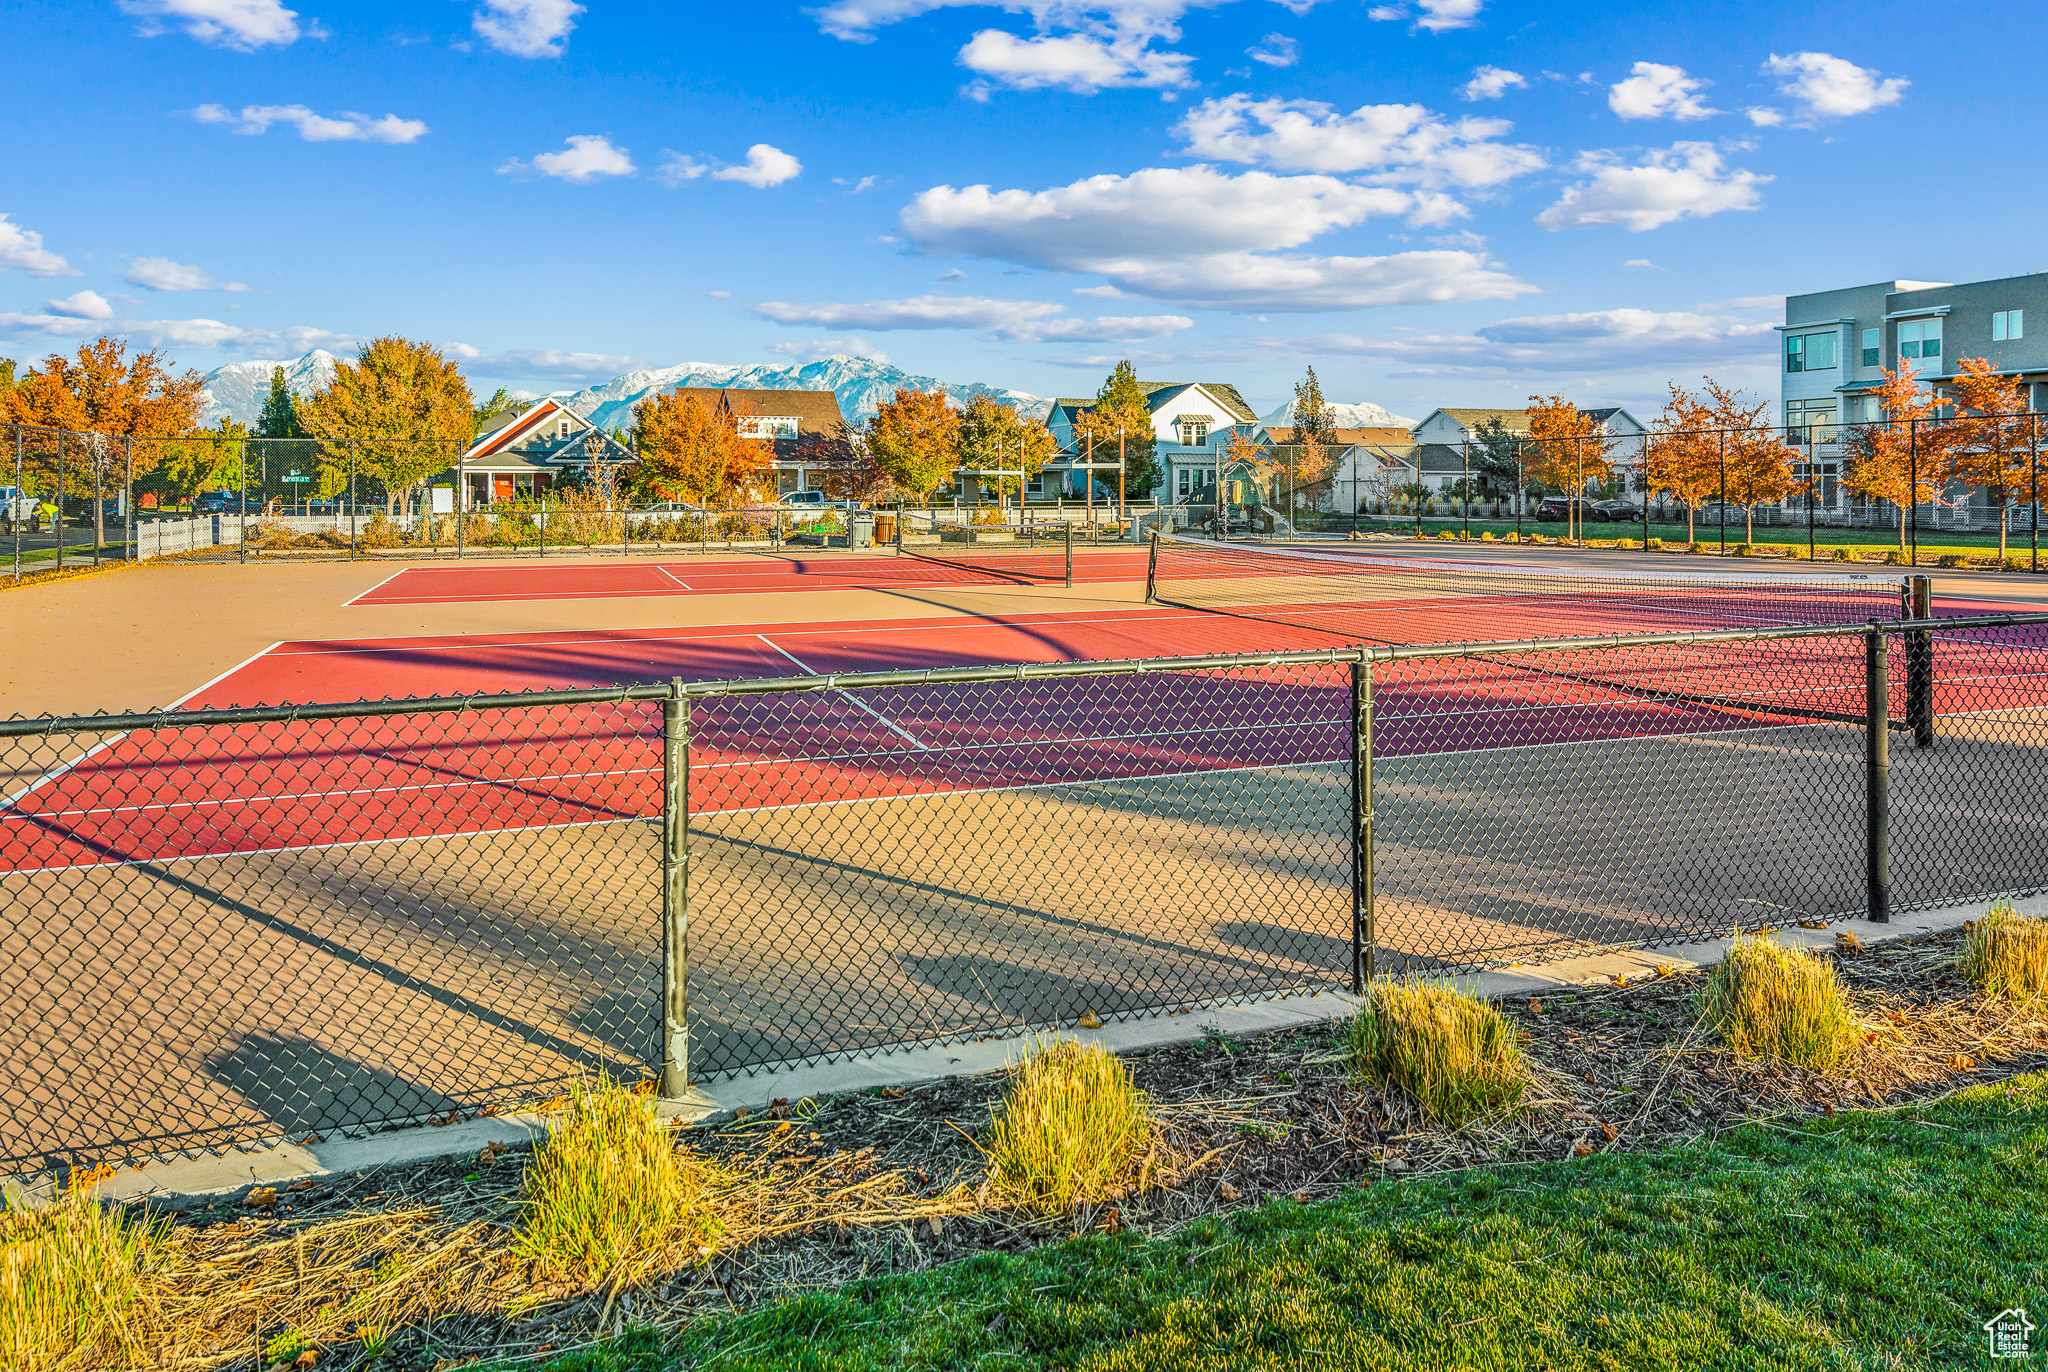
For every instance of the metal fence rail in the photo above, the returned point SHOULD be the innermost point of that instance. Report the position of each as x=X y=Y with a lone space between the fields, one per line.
x=243 y=923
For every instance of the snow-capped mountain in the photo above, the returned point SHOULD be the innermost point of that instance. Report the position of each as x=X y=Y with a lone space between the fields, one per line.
x=862 y=384
x=1363 y=415
x=239 y=389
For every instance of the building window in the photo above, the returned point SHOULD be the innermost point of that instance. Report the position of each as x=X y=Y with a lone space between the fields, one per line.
x=1872 y=349
x=1809 y=352
x=1183 y=480
x=1920 y=338
x=768 y=426
x=2008 y=325
x=1810 y=421
x=1194 y=433
x=562 y=428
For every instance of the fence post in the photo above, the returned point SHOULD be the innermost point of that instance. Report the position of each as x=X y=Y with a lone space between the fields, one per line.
x=675 y=892
x=242 y=550
x=1877 y=859
x=14 y=515
x=1067 y=538
x=461 y=504
x=1920 y=663
x=351 y=500
x=131 y=549
x=1152 y=568
x=1363 y=933
x=58 y=525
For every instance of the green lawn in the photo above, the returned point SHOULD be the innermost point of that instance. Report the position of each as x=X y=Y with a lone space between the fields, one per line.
x=1869 y=1240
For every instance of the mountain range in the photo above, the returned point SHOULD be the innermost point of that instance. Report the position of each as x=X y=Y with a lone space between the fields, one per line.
x=862 y=385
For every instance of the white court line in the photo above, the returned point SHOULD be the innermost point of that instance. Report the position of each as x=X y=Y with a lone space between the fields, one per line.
x=888 y=723
x=7 y=802
x=672 y=576
x=379 y=586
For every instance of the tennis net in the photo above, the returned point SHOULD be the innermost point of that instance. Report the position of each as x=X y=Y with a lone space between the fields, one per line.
x=1360 y=599
x=1031 y=553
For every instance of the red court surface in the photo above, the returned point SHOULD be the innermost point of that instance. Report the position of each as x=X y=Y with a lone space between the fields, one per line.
x=169 y=795
x=757 y=572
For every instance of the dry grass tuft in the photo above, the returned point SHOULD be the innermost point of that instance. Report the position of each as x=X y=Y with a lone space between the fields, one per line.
x=1072 y=1130
x=608 y=1191
x=1781 y=1003
x=2006 y=954
x=73 y=1279
x=1454 y=1053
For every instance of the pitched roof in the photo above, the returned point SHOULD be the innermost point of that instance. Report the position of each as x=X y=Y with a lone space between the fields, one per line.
x=814 y=411
x=1473 y=418
x=1283 y=434
x=1157 y=393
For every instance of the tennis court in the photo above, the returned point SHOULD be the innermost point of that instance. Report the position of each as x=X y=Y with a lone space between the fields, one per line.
x=303 y=925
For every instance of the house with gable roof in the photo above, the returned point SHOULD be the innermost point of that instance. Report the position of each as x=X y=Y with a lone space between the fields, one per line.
x=522 y=455
x=1439 y=453
x=787 y=418
x=1192 y=421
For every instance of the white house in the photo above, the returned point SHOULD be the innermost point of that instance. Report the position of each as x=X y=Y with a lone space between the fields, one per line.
x=1442 y=434
x=1192 y=421
x=520 y=455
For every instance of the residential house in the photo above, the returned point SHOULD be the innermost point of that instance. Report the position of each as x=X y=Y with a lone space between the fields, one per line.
x=521 y=455
x=788 y=418
x=1442 y=435
x=1339 y=462
x=1837 y=343
x=1192 y=423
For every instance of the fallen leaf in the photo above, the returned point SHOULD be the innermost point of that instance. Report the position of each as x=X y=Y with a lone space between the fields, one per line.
x=1609 y=1132
x=1847 y=942
x=646 y=1086
x=778 y=1108
x=306 y=1359
x=1535 y=1006
x=1666 y=970
x=1963 y=1062
x=741 y=1113
x=1813 y=924
x=893 y=1092
x=1621 y=978
x=1301 y=1198
x=1090 y=1020
x=261 y=1196
x=302 y=1184
x=1229 y=1192
x=1112 y=1221
x=936 y=1225
x=1581 y=1150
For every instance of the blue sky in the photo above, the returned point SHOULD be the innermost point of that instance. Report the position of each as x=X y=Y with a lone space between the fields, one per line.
x=1435 y=202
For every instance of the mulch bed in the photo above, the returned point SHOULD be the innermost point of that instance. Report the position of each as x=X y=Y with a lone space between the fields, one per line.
x=1620 y=1067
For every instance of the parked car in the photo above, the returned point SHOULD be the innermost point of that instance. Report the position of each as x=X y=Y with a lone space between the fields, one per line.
x=222 y=502
x=1616 y=511
x=814 y=500
x=19 y=507
x=1558 y=508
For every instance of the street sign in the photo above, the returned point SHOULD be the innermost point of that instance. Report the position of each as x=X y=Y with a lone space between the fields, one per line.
x=297 y=477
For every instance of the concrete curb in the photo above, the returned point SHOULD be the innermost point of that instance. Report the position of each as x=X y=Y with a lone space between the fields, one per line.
x=178 y=1180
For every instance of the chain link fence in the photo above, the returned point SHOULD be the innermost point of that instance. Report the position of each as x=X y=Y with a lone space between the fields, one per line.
x=225 y=925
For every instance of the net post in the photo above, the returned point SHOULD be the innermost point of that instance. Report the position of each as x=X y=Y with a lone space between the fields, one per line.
x=1152 y=568
x=675 y=892
x=1877 y=862
x=1363 y=933
x=1067 y=541
x=461 y=504
x=1920 y=663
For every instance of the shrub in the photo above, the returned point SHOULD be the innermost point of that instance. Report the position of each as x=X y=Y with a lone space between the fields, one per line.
x=1071 y=1130
x=1952 y=560
x=1487 y=536
x=1445 y=535
x=1744 y=550
x=1781 y=1003
x=1511 y=538
x=1625 y=543
x=1895 y=558
x=1794 y=551
x=2014 y=564
x=380 y=532
x=1654 y=544
x=1454 y=1053
x=2006 y=953
x=608 y=1190
x=69 y=1276
x=1845 y=555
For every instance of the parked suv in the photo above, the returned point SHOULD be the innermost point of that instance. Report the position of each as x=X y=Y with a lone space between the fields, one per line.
x=221 y=502
x=1558 y=508
x=814 y=500
x=1616 y=511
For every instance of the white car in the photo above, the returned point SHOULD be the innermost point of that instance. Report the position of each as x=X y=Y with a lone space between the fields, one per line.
x=814 y=500
x=18 y=507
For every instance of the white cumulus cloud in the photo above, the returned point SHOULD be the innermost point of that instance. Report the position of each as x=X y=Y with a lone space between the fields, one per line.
x=1010 y=321
x=1655 y=90
x=766 y=166
x=81 y=305
x=1830 y=87
x=162 y=274
x=23 y=250
x=1593 y=342
x=1396 y=142
x=179 y=333
x=1491 y=83
x=819 y=349
x=1684 y=181
x=1199 y=236
x=346 y=127
x=588 y=157
x=1079 y=62
x=1275 y=50
x=526 y=28
x=1433 y=15
x=555 y=364
x=242 y=24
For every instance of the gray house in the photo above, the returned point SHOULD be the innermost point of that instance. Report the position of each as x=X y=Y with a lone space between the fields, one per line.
x=1837 y=343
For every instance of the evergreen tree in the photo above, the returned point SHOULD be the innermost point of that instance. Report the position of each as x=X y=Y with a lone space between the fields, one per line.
x=1122 y=415
x=1498 y=456
x=1314 y=420
x=280 y=417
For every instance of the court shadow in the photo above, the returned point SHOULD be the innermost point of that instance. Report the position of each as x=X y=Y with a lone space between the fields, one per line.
x=1029 y=994
x=300 y=1086
x=1322 y=951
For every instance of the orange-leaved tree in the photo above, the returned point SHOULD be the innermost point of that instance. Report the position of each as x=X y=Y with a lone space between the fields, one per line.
x=915 y=438
x=1996 y=443
x=1760 y=467
x=1567 y=448
x=1682 y=455
x=116 y=402
x=1906 y=457
x=401 y=412
x=995 y=438
x=688 y=450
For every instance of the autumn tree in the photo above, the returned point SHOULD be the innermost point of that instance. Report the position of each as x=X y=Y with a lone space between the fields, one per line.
x=915 y=439
x=502 y=401
x=1566 y=450
x=130 y=403
x=1905 y=457
x=1995 y=443
x=1760 y=466
x=1120 y=422
x=994 y=437
x=841 y=456
x=1682 y=455
x=691 y=450
x=210 y=460
x=404 y=410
